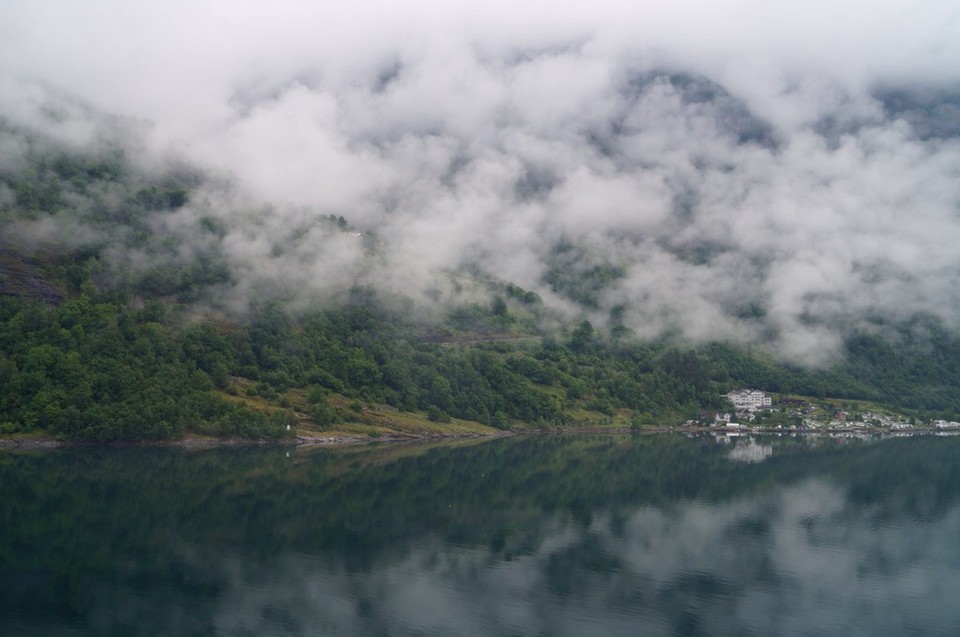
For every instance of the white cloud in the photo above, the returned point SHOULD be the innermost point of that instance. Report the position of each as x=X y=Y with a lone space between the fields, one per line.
x=722 y=154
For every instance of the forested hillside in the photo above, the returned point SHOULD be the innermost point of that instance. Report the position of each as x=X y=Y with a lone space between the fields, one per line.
x=112 y=329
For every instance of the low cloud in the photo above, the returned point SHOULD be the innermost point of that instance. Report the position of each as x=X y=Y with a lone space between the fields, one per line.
x=740 y=171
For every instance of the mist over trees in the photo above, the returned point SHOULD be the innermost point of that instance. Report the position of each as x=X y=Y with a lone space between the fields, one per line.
x=119 y=320
x=584 y=210
x=646 y=191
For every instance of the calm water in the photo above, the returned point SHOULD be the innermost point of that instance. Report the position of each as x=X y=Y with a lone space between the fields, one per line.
x=652 y=535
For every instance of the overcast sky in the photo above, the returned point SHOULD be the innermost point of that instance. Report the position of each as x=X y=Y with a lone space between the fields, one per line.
x=755 y=169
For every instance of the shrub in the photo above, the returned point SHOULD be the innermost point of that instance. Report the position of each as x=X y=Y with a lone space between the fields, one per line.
x=435 y=414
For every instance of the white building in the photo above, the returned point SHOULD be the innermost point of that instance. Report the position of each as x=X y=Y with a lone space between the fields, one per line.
x=749 y=399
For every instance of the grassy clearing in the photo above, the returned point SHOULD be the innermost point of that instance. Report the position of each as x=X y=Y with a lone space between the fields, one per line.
x=357 y=417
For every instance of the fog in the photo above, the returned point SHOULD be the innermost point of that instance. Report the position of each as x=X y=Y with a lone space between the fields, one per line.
x=747 y=172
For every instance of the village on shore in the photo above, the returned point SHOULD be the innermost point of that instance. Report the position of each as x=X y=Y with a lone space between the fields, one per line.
x=751 y=411
x=756 y=410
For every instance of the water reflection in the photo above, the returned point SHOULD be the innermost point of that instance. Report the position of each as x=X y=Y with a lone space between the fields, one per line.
x=748 y=450
x=585 y=536
x=795 y=561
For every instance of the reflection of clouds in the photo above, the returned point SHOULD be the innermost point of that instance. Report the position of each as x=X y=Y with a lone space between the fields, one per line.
x=802 y=559
x=796 y=560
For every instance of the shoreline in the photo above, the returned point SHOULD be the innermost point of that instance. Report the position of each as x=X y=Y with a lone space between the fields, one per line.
x=333 y=440
x=351 y=439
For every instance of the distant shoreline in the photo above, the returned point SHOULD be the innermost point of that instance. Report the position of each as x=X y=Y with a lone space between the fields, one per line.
x=334 y=440
x=41 y=443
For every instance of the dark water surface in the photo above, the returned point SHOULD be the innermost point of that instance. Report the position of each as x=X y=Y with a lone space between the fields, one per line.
x=651 y=535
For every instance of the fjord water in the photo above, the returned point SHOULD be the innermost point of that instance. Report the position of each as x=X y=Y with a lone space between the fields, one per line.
x=547 y=535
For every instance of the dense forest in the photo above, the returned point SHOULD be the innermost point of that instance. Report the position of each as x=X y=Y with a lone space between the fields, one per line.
x=107 y=333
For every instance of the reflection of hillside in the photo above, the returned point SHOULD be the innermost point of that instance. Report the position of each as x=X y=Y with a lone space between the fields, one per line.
x=78 y=516
x=787 y=559
x=402 y=489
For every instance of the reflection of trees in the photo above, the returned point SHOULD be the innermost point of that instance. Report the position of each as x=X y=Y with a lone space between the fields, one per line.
x=338 y=499
x=124 y=515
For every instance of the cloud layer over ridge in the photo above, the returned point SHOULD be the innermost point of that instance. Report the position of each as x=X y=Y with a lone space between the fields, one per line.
x=745 y=170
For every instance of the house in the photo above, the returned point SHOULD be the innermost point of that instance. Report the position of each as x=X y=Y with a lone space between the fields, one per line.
x=749 y=399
